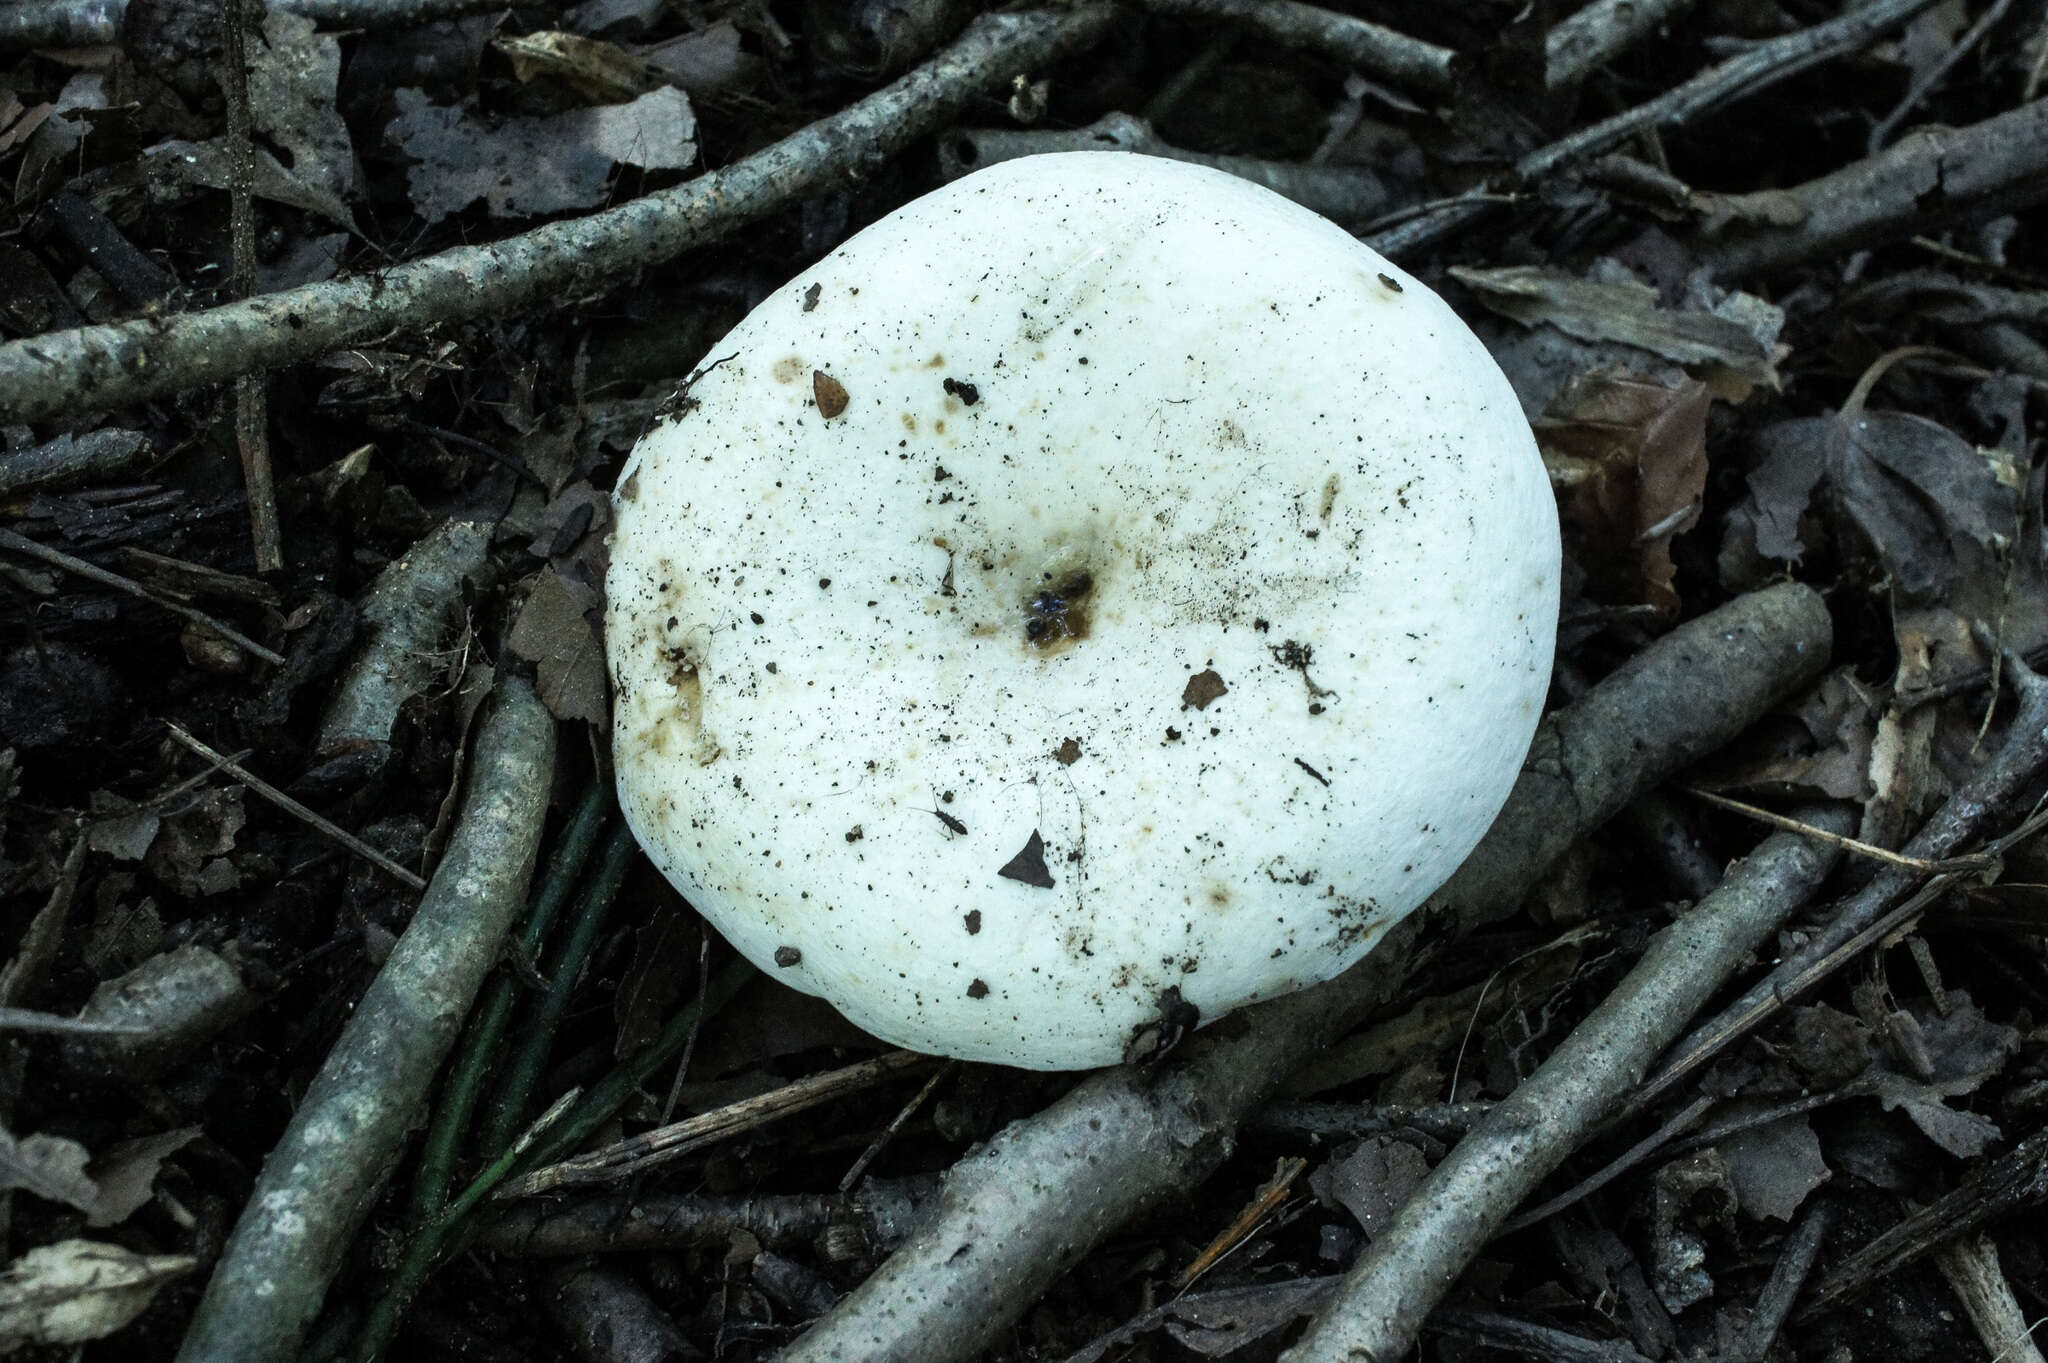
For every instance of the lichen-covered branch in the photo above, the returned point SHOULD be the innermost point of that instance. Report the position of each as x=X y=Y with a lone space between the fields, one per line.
x=324 y=1173
x=411 y=609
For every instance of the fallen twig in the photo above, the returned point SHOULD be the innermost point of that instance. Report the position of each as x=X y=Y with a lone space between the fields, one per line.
x=1379 y=1310
x=92 y=572
x=163 y=1010
x=651 y=1149
x=1891 y=892
x=55 y=1024
x=1788 y=1275
x=1935 y=74
x=298 y=811
x=1930 y=177
x=1970 y=1263
x=107 y=366
x=252 y=394
x=1973 y=862
x=414 y=604
x=1372 y=48
x=1751 y=73
x=320 y=1179
x=2014 y=1182
x=95 y=23
x=1045 y=1190
x=882 y=1212
x=1596 y=34
x=96 y=456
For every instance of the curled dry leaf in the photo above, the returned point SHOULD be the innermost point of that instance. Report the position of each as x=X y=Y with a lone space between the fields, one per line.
x=126 y=1174
x=602 y=72
x=80 y=1290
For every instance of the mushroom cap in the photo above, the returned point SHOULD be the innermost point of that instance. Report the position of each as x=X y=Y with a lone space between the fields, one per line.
x=1100 y=589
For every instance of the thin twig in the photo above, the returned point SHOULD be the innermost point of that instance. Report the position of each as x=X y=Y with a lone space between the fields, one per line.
x=896 y=1123
x=1675 y=1126
x=663 y=1145
x=1930 y=177
x=1596 y=34
x=78 y=567
x=1264 y=1203
x=1974 y=862
x=298 y=811
x=29 y=1020
x=2015 y=1181
x=1935 y=74
x=252 y=398
x=1795 y=1261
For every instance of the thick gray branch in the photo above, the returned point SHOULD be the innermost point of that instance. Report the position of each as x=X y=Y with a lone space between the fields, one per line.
x=321 y=1178
x=1929 y=178
x=1047 y=1189
x=107 y=366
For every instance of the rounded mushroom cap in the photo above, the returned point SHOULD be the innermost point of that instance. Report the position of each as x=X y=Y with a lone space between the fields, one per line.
x=1099 y=591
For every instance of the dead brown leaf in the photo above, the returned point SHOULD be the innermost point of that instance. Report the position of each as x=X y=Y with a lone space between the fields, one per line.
x=554 y=633
x=602 y=72
x=1628 y=457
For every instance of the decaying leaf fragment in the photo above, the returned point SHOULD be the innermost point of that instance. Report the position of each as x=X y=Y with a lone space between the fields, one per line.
x=526 y=166
x=1938 y=520
x=80 y=1290
x=1733 y=345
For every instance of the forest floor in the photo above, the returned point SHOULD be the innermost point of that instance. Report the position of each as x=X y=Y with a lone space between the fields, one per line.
x=324 y=334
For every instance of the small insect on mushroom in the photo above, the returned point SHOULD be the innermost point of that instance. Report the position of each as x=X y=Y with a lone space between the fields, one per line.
x=1212 y=548
x=954 y=827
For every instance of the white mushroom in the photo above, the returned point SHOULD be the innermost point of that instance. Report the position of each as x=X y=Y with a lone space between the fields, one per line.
x=1097 y=596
